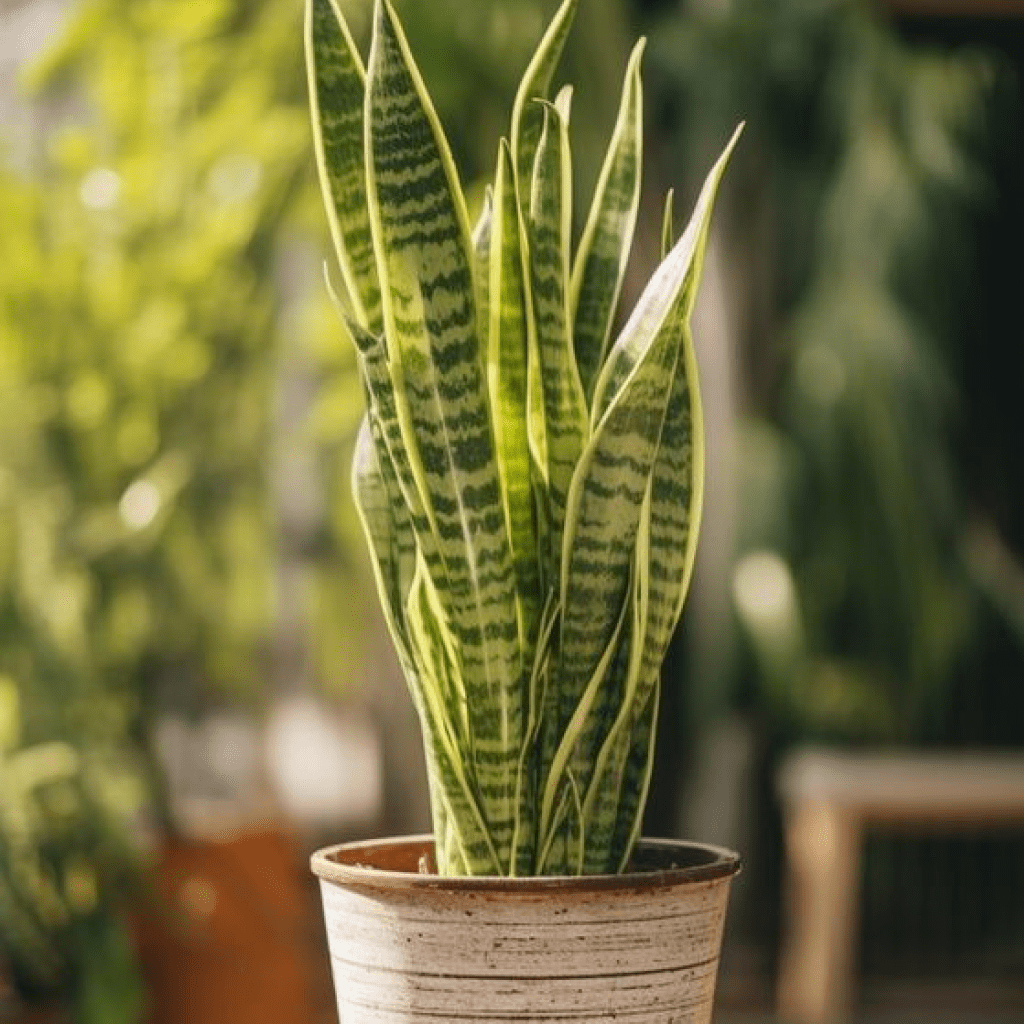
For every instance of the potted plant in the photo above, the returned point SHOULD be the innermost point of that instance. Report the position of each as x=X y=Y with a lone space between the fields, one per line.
x=530 y=490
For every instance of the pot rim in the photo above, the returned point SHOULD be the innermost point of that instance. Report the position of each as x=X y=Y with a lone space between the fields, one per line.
x=353 y=865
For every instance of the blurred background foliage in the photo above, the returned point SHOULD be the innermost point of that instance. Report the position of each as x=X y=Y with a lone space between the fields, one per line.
x=867 y=170
x=176 y=407
x=144 y=306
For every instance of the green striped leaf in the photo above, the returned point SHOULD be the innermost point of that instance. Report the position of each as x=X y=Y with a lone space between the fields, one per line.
x=393 y=557
x=677 y=482
x=604 y=246
x=525 y=836
x=677 y=498
x=393 y=436
x=425 y=265
x=508 y=342
x=634 y=783
x=394 y=530
x=336 y=85
x=410 y=539
x=565 y=411
x=677 y=276
x=665 y=545
x=469 y=844
x=574 y=757
x=527 y=116
x=612 y=482
x=601 y=541
x=604 y=793
x=481 y=270
x=607 y=494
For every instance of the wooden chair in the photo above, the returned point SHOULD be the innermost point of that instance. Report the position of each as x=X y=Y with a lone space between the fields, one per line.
x=829 y=798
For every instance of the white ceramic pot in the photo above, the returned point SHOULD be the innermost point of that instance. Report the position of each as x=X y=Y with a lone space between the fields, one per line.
x=411 y=947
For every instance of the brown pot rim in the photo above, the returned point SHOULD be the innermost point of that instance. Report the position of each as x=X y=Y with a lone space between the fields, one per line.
x=389 y=864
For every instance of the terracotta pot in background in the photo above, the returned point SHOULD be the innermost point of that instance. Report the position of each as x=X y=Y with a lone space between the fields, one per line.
x=236 y=938
x=408 y=947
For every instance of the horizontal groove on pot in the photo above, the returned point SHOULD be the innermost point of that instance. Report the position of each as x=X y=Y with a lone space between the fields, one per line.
x=642 y=947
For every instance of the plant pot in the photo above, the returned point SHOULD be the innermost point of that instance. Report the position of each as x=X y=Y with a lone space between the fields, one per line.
x=232 y=934
x=407 y=946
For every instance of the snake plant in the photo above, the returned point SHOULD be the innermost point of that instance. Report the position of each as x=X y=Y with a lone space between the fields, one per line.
x=530 y=486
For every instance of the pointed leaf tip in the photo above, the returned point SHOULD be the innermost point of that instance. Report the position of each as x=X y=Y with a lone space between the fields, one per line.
x=563 y=102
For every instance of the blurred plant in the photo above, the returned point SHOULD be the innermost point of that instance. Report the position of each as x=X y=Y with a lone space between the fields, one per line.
x=851 y=584
x=143 y=301
x=65 y=828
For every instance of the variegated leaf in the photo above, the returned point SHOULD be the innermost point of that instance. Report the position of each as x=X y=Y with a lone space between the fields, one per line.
x=422 y=240
x=611 y=482
x=632 y=691
x=565 y=412
x=436 y=662
x=604 y=246
x=393 y=436
x=336 y=84
x=527 y=117
x=572 y=762
x=604 y=519
x=524 y=840
x=393 y=557
x=508 y=341
x=634 y=783
x=677 y=483
x=676 y=276
x=665 y=545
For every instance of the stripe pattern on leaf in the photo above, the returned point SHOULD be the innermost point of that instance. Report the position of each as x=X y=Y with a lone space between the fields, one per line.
x=604 y=248
x=336 y=81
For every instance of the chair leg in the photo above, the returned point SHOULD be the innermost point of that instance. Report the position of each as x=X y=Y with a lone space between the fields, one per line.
x=822 y=897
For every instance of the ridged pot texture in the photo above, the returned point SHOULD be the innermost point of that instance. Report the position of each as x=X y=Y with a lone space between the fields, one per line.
x=409 y=946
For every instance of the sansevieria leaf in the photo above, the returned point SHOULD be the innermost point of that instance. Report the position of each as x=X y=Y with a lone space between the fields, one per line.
x=336 y=82
x=509 y=328
x=604 y=248
x=604 y=519
x=565 y=410
x=527 y=117
x=392 y=552
x=613 y=494
x=425 y=265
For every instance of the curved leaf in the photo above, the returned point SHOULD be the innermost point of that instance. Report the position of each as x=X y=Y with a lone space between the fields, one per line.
x=508 y=341
x=604 y=247
x=424 y=255
x=565 y=412
x=677 y=277
x=527 y=118
x=336 y=84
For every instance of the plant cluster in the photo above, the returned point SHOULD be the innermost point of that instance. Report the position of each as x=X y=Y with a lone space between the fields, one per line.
x=530 y=483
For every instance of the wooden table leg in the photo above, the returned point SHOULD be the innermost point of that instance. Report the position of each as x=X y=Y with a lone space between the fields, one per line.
x=822 y=893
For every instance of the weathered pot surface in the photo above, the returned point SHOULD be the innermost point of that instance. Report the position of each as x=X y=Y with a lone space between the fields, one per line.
x=408 y=946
